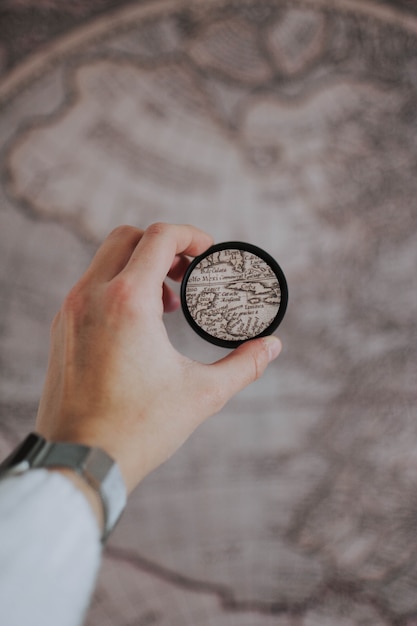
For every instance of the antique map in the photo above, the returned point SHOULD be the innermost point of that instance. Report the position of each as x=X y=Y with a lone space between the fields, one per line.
x=233 y=295
x=291 y=125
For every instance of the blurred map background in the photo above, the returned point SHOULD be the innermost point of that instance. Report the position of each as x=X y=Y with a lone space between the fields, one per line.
x=290 y=125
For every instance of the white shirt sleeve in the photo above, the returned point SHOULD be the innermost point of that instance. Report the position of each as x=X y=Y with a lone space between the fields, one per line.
x=50 y=550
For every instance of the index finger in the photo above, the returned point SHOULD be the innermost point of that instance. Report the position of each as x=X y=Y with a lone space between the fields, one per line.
x=158 y=247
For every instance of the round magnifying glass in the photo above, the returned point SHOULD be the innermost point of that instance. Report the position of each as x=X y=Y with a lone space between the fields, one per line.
x=234 y=292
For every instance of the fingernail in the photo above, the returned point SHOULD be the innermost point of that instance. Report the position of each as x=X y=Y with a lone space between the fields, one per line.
x=274 y=346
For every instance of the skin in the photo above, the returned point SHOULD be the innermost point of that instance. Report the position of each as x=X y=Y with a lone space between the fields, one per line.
x=114 y=380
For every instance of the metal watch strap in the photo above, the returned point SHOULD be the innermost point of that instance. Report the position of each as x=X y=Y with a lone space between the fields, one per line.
x=92 y=464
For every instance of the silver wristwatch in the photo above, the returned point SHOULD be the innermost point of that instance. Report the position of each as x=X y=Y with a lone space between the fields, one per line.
x=93 y=464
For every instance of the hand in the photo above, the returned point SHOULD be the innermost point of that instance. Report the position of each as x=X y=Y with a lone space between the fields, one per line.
x=114 y=380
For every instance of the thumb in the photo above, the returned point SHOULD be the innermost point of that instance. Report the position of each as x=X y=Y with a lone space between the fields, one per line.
x=243 y=366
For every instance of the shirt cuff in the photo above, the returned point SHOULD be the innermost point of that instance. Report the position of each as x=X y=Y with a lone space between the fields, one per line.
x=49 y=550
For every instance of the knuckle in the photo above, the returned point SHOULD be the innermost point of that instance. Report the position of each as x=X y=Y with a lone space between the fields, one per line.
x=211 y=400
x=75 y=302
x=119 y=291
x=218 y=400
x=123 y=230
x=209 y=395
x=121 y=297
x=259 y=361
x=158 y=228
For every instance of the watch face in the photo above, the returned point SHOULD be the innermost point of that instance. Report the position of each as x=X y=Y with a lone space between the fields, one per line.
x=234 y=292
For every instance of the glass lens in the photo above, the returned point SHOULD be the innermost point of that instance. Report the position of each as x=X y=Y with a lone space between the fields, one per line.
x=233 y=295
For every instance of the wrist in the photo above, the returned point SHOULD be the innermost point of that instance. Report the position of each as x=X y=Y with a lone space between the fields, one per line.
x=95 y=469
x=109 y=442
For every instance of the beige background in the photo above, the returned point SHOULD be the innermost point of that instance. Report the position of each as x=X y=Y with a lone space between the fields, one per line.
x=290 y=125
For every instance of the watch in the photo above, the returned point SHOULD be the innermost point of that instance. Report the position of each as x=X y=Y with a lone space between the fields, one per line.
x=94 y=465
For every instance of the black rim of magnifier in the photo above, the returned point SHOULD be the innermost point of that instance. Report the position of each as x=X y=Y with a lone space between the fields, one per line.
x=247 y=247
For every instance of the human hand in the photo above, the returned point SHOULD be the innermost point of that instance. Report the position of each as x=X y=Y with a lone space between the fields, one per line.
x=114 y=380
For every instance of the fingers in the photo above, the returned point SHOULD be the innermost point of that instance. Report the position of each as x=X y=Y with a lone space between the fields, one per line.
x=154 y=255
x=114 y=253
x=241 y=367
x=170 y=299
x=161 y=254
x=179 y=267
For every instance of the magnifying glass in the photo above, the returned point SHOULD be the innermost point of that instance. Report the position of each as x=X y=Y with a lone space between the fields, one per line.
x=234 y=292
